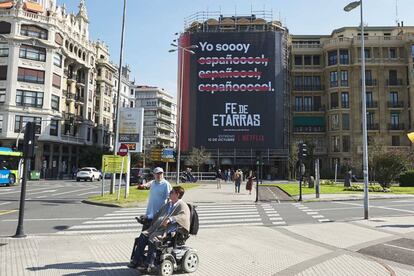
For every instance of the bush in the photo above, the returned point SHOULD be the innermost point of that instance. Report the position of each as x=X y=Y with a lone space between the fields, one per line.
x=371 y=188
x=327 y=182
x=388 y=166
x=407 y=179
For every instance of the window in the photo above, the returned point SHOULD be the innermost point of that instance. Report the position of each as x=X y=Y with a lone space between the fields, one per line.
x=57 y=60
x=392 y=53
x=394 y=97
x=32 y=53
x=2 y=96
x=89 y=113
x=59 y=39
x=307 y=103
x=317 y=103
x=4 y=50
x=88 y=137
x=345 y=121
x=55 y=102
x=307 y=59
x=298 y=60
x=333 y=78
x=346 y=143
x=395 y=119
x=369 y=99
x=20 y=122
x=33 y=31
x=317 y=82
x=395 y=141
x=345 y=100
x=54 y=127
x=316 y=60
x=343 y=56
x=1 y=123
x=298 y=103
x=367 y=53
x=3 y=72
x=335 y=144
x=392 y=75
x=334 y=100
x=370 y=119
x=29 y=98
x=332 y=58
x=56 y=81
x=335 y=122
x=31 y=75
x=5 y=27
x=344 y=78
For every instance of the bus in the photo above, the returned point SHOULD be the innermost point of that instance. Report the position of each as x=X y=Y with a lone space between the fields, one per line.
x=10 y=166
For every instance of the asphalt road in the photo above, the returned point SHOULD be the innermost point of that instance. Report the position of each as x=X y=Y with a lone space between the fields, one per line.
x=51 y=206
x=55 y=206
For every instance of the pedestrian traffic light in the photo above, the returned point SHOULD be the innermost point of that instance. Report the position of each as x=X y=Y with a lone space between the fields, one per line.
x=303 y=151
x=29 y=140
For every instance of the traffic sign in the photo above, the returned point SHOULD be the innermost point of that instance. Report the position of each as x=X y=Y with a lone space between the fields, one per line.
x=113 y=164
x=123 y=150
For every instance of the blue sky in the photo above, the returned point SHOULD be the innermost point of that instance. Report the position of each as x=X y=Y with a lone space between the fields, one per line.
x=150 y=25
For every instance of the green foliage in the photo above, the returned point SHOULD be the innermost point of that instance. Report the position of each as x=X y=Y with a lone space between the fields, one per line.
x=371 y=188
x=388 y=166
x=91 y=157
x=407 y=179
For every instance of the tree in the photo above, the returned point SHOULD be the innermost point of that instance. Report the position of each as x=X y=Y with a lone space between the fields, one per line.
x=198 y=157
x=376 y=149
x=389 y=166
x=293 y=160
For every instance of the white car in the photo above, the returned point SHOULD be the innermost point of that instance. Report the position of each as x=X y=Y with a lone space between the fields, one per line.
x=88 y=173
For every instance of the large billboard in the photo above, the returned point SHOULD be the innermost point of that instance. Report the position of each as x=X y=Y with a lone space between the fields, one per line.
x=131 y=121
x=237 y=84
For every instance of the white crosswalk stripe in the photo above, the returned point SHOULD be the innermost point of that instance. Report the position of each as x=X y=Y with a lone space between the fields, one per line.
x=214 y=215
x=314 y=214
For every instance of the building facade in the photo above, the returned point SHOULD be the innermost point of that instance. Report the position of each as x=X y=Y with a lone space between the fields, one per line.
x=326 y=92
x=160 y=116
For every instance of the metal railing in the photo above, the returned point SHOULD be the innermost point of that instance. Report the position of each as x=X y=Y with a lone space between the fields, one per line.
x=200 y=176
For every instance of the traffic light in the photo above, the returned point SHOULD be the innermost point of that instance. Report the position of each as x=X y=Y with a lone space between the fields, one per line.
x=303 y=151
x=29 y=140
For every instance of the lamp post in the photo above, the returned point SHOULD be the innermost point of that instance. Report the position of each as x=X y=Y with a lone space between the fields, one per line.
x=183 y=50
x=348 y=8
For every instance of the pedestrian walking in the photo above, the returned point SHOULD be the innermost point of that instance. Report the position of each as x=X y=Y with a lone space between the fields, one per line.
x=237 y=177
x=249 y=183
x=219 y=178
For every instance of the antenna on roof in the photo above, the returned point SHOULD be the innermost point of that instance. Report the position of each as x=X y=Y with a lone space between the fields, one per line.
x=397 y=21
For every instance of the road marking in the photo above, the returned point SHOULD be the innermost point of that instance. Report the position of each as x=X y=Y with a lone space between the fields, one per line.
x=48 y=191
x=88 y=193
x=5 y=212
x=41 y=196
x=4 y=203
x=399 y=247
x=121 y=225
x=318 y=216
x=324 y=220
x=74 y=191
x=130 y=230
x=28 y=191
x=312 y=213
x=380 y=207
x=46 y=219
x=229 y=225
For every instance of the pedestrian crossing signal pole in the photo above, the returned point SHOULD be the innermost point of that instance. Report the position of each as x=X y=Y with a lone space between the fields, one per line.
x=258 y=159
x=302 y=154
x=28 y=153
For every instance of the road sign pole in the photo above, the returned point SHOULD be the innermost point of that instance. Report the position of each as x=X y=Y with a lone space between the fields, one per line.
x=103 y=188
x=128 y=165
x=120 y=180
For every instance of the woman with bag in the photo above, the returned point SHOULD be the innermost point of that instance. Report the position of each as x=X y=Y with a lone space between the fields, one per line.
x=249 y=183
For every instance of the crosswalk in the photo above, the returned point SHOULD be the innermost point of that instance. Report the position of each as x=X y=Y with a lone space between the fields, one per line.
x=211 y=215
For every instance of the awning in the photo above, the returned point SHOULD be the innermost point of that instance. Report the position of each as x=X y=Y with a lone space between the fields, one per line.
x=33 y=7
x=308 y=121
x=6 y=5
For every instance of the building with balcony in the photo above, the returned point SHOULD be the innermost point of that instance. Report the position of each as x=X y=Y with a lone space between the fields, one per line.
x=326 y=91
x=160 y=116
x=48 y=70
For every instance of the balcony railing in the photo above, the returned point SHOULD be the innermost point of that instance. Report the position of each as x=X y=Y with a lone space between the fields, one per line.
x=395 y=82
x=396 y=127
x=396 y=104
x=309 y=87
x=333 y=84
x=298 y=108
x=73 y=139
x=372 y=126
x=309 y=129
x=370 y=82
x=371 y=104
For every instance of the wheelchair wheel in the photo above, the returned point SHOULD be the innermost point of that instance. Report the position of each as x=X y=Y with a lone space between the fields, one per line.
x=166 y=268
x=190 y=261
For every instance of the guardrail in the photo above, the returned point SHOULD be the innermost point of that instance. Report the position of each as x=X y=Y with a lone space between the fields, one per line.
x=201 y=176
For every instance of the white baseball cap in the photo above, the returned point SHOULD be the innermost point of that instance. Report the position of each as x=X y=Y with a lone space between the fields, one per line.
x=158 y=170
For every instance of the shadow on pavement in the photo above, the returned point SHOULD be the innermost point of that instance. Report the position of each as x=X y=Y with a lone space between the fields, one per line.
x=397 y=226
x=91 y=268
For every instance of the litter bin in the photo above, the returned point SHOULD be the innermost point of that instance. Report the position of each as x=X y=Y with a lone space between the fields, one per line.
x=34 y=175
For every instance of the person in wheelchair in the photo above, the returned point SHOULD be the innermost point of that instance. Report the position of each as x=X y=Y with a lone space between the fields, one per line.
x=173 y=217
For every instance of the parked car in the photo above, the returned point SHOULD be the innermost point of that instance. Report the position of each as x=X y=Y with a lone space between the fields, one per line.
x=88 y=173
x=137 y=175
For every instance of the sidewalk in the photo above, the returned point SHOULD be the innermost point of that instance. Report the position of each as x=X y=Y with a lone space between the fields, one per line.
x=303 y=250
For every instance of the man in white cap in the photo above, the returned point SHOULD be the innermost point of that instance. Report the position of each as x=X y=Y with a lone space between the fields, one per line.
x=159 y=191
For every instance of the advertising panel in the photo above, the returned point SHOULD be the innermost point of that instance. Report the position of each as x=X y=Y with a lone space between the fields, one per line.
x=131 y=123
x=234 y=78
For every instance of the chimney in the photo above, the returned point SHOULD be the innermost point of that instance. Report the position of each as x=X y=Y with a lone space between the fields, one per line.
x=402 y=23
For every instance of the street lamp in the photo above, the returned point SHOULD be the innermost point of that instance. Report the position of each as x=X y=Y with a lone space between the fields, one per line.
x=183 y=50
x=348 y=8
